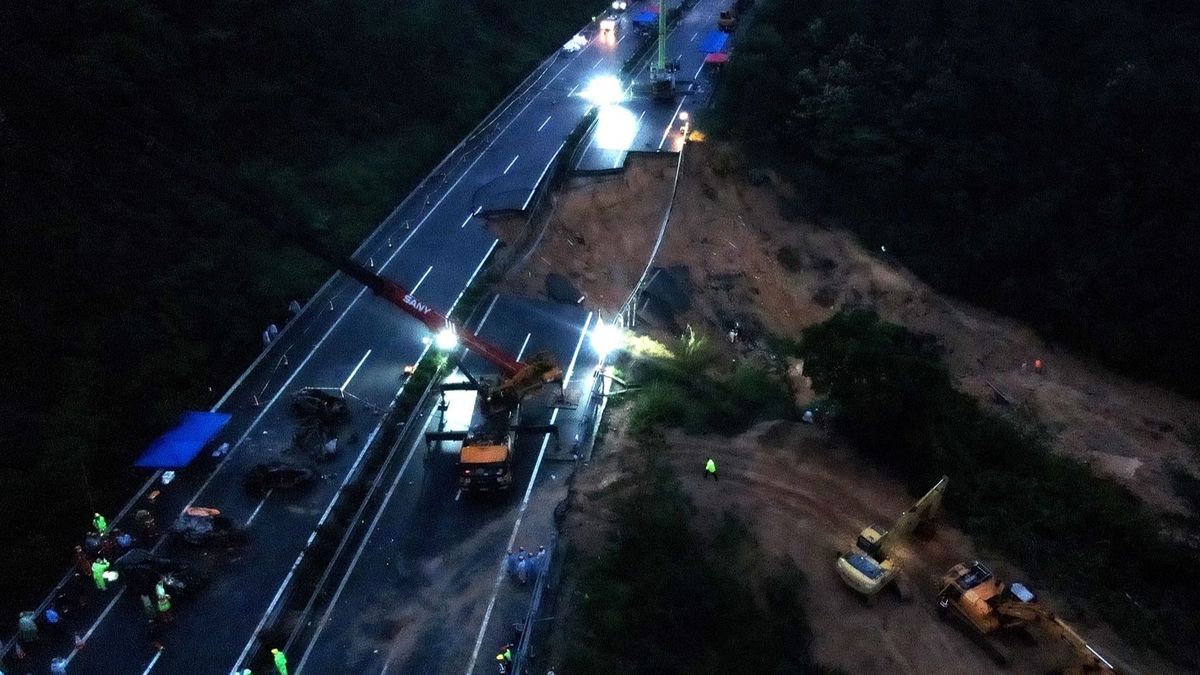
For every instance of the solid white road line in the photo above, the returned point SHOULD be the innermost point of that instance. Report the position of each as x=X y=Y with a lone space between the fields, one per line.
x=670 y=124
x=478 y=267
x=287 y=580
x=370 y=439
x=250 y=520
x=598 y=62
x=542 y=175
x=545 y=122
x=487 y=313
x=524 y=345
x=487 y=615
x=387 y=498
x=510 y=164
x=203 y=486
x=354 y=372
x=317 y=346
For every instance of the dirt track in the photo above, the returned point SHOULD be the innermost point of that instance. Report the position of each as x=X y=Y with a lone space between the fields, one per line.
x=805 y=495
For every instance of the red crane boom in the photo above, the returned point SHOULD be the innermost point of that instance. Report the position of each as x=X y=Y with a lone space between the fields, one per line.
x=433 y=319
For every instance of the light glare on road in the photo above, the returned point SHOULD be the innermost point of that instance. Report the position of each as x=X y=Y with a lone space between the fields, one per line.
x=616 y=128
x=604 y=90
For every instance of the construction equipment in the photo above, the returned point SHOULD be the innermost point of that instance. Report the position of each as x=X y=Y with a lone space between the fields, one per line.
x=727 y=21
x=485 y=458
x=868 y=567
x=486 y=455
x=972 y=594
x=662 y=72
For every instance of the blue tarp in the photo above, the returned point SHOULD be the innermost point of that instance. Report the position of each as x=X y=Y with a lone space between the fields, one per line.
x=646 y=17
x=714 y=42
x=179 y=446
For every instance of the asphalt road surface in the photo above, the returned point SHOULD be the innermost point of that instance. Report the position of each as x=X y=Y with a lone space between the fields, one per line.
x=434 y=243
x=639 y=123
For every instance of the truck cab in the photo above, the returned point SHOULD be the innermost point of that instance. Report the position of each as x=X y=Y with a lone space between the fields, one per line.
x=485 y=464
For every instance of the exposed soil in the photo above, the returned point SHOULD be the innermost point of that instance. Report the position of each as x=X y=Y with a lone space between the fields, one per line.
x=729 y=235
x=805 y=493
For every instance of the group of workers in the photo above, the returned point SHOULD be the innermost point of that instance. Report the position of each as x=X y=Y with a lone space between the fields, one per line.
x=524 y=566
x=92 y=559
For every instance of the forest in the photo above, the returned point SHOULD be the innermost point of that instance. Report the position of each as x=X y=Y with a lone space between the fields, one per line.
x=1039 y=159
x=130 y=294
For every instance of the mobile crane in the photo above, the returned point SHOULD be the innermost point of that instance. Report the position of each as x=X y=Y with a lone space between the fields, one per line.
x=485 y=458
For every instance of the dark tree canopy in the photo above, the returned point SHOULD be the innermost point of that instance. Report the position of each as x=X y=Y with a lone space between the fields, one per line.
x=1041 y=159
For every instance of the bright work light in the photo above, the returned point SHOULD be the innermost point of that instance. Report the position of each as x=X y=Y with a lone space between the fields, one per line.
x=446 y=339
x=607 y=337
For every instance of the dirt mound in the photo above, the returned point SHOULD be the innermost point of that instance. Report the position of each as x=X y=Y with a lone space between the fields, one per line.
x=598 y=233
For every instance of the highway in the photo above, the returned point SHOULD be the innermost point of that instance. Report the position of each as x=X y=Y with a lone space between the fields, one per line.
x=442 y=551
x=639 y=124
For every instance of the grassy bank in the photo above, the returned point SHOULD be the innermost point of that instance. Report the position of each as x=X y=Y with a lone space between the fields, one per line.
x=675 y=386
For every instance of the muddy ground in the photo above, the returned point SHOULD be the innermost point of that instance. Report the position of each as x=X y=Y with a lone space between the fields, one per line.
x=804 y=492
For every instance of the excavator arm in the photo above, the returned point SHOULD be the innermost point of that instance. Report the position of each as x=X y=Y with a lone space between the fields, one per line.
x=922 y=510
x=1088 y=660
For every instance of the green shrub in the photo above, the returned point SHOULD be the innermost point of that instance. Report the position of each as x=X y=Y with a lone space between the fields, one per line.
x=789 y=257
x=678 y=391
x=661 y=600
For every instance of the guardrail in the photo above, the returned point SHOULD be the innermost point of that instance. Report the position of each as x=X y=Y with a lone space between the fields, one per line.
x=535 y=603
x=627 y=314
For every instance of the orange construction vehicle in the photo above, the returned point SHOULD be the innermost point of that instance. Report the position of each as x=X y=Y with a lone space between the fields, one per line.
x=973 y=595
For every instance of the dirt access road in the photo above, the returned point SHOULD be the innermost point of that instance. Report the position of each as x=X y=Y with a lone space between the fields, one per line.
x=804 y=494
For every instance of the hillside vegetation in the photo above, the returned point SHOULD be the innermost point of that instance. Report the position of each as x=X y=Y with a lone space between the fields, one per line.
x=1077 y=534
x=128 y=294
x=1037 y=158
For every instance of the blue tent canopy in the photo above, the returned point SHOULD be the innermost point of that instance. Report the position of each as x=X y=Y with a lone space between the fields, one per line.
x=714 y=42
x=179 y=446
x=645 y=17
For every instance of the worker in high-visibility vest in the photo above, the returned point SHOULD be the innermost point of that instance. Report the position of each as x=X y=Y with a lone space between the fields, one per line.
x=163 y=604
x=504 y=658
x=99 y=567
x=280 y=661
x=710 y=469
x=99 y=523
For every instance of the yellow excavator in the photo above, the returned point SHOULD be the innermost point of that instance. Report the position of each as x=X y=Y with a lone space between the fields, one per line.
x=973 y=595
x=868 y=567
